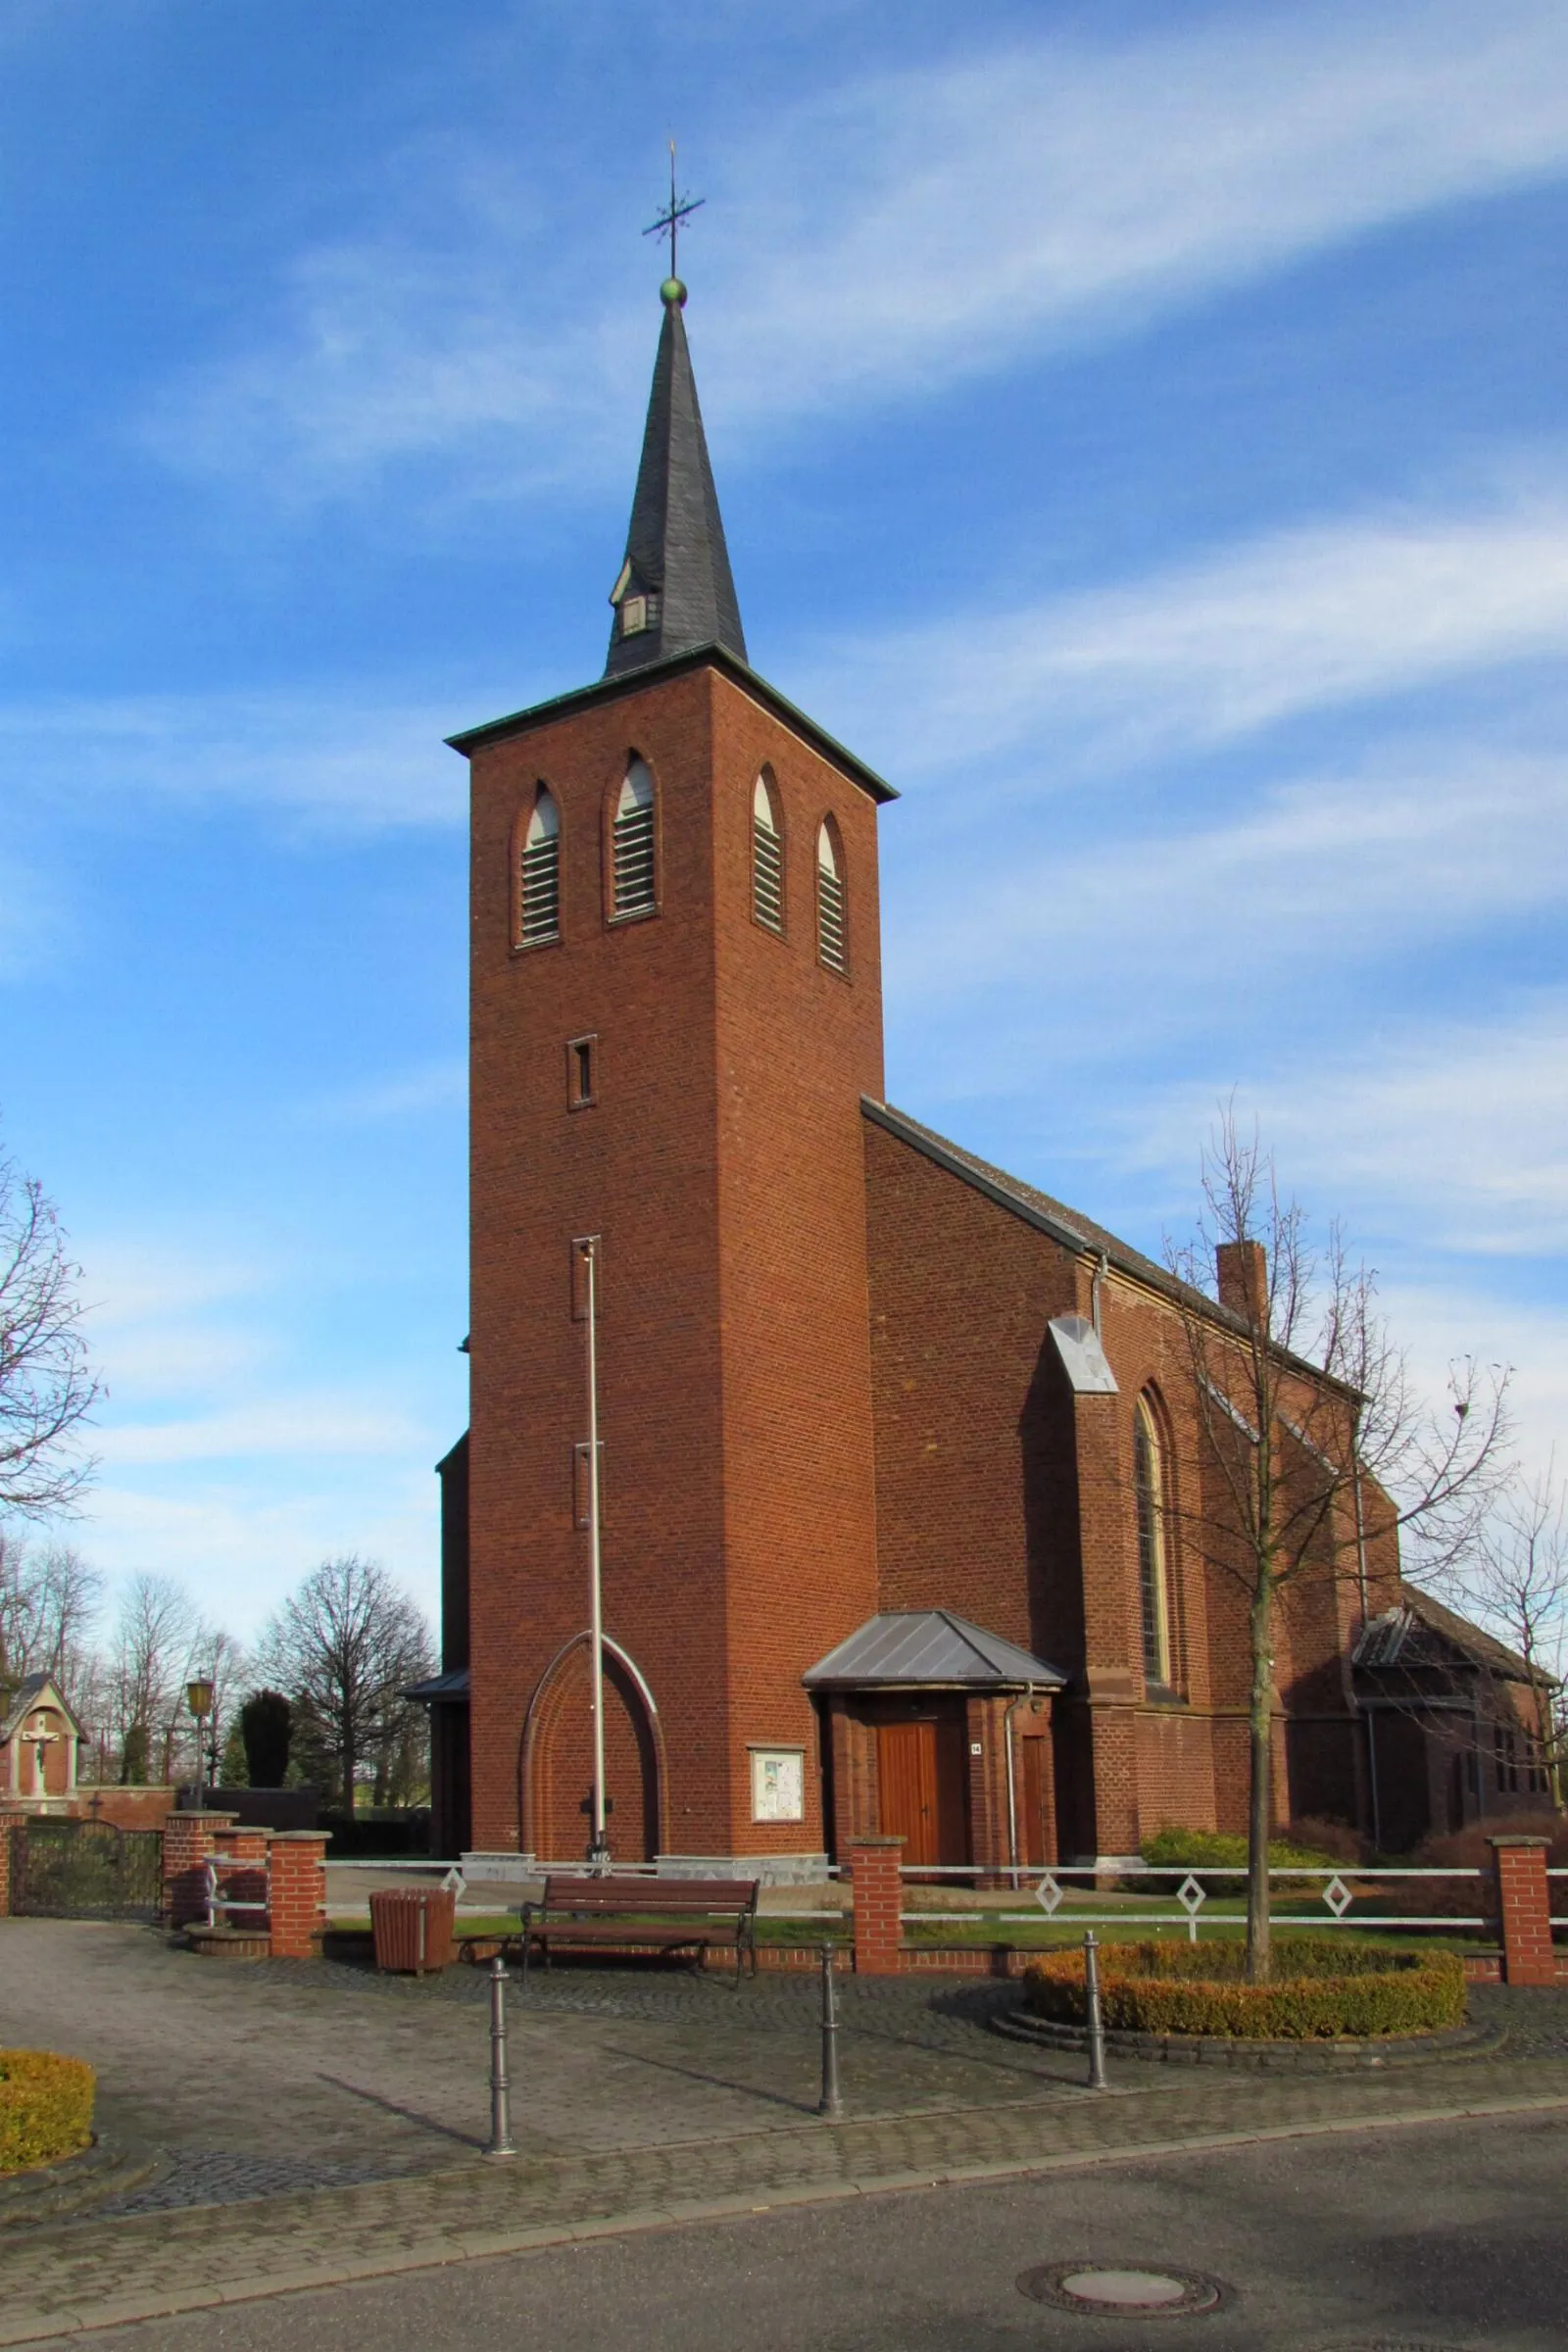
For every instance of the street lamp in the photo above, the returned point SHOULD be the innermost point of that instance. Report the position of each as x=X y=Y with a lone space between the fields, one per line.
x=199 y=1699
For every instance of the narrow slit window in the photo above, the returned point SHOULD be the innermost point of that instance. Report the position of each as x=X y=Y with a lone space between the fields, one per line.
x=582 y=1055
x=539 y=892
x=632 y=845
x=832 y=944
x=768 y=858
x=1148 y=1480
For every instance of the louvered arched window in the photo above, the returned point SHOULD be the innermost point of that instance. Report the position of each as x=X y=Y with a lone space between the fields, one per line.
x=631 y=881
x=832 y=926
x=767 y=857
x=539 y=875
x=1151 y=1487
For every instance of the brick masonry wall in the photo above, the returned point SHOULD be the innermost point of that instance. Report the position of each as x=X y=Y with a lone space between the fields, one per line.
x=721 y=1166
x=640 y=1169
x=131 y=1808
x=1006 y=1498
x=797 y=1047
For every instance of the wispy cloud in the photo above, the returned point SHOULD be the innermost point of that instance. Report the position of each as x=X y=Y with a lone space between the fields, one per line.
x=1059 y=189
x=1209 y=652
x=436 y=1085
x=241 y=1544
x=344 y=760
x=165 y=1321
x=289 y=1427
x=1333 y=873
x=1448 y=1137
x=923 y=225
x=30 y=917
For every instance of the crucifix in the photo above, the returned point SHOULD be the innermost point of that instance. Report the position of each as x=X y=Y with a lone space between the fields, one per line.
x=41 y=1738
x=679 y=209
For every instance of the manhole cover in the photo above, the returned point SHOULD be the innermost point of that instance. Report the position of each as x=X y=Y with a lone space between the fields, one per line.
x=1121 y=2291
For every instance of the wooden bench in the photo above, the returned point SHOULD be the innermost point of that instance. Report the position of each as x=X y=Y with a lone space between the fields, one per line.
x=667 y=1915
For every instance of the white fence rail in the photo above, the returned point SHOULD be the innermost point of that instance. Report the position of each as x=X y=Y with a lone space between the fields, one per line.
x=1340 y=1891
x=217 y=1870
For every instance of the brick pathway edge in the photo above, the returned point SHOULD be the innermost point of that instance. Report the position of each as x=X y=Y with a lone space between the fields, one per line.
x=65 y=2283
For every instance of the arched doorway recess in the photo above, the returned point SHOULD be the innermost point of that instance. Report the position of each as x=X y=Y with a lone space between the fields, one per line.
x=557 y=1761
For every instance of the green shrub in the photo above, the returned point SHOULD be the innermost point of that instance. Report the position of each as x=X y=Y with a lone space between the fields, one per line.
x=1319 y=1989
x=45 y=2108
x=1219 y=1849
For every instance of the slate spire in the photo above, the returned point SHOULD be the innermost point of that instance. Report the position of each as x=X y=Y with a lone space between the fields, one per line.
x=674 y=591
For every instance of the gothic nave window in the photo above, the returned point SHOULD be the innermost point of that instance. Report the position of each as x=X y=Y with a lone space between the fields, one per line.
x=1153 y=1575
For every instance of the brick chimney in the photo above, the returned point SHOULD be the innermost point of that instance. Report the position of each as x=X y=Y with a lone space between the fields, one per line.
x=1243 y=1268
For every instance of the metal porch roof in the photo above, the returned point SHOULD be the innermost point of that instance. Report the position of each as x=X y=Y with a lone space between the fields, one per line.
x=904 y=1648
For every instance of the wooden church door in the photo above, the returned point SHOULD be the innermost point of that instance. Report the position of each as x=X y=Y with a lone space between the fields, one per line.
x=920 y=1780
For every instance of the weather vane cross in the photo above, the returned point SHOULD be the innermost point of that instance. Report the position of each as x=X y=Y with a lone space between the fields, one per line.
x=679 y=209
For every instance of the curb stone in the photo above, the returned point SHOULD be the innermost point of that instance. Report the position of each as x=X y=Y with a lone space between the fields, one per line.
x=77 y=2184
x=1325 y=2057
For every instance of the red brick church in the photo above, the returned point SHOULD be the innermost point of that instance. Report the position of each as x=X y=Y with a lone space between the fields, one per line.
x=887 y=1439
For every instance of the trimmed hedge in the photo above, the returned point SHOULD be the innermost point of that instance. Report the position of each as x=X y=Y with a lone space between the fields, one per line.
x=1320 y=1991
x=45 y=2108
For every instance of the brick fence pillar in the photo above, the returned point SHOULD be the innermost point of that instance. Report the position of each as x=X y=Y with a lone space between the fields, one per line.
x=188 y=1839
x=297 y=1910
x=1523 y=1896
x=878 y=1890
x=12 y=1824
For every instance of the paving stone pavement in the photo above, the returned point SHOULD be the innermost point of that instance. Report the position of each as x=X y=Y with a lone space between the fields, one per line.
x=60 y=2281
x=337 y=2073
x=323 y=2124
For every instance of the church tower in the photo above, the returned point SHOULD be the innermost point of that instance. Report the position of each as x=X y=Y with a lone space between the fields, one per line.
x=676 y=1009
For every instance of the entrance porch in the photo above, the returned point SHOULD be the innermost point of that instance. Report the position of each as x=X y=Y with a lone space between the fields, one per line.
x=939 y=1732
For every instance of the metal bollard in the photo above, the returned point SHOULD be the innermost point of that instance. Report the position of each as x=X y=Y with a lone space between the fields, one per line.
x=1096 y=2023
x=830 y=2103
x=502 y=2142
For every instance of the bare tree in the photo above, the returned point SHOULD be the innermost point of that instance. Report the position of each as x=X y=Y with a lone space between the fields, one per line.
x=49 y=1599
x=1315 y=1449
x=150 y=1650
x=222 y=1657
x=341 y=1647
x=46 y=1387
x=1515 y=1580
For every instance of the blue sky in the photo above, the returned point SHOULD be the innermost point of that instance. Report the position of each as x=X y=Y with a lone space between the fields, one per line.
x=1140 y=434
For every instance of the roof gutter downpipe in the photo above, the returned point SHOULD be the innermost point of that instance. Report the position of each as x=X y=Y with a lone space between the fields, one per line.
x=1097 y=1283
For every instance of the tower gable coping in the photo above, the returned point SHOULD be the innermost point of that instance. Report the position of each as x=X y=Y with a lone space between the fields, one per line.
x=639 y=681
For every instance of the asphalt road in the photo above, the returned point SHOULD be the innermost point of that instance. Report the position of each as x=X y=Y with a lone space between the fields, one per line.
x=1431 y=2236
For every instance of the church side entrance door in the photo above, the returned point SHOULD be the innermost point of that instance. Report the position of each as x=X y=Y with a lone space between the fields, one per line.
x=921 y=1770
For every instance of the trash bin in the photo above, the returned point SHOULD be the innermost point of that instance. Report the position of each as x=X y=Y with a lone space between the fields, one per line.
x=413 y=1928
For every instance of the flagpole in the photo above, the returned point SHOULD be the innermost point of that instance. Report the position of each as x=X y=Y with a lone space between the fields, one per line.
x=599 y=1850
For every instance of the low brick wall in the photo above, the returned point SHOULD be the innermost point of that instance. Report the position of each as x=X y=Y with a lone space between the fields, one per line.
x=137 y=1807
